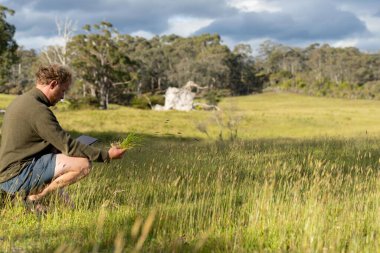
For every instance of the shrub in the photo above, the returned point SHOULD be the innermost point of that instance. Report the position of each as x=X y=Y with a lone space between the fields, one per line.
x=83 y=103
x=286 y=84
x=157 y=100
x=122 y=98
x=147 y=101
x=212 y=97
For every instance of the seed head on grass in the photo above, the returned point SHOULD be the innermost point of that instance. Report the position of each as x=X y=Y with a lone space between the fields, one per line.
x=131 y=141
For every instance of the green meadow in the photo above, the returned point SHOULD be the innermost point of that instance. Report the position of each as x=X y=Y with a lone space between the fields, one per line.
x=267 y=173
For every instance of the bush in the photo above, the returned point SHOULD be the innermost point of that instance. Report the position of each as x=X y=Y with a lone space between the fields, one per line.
x=278 y=77
x=212 y=97
x=147 y=101
x=301 y=84
x=157 y=99
x=286 y=84
x=122 y=98
x=83 y=103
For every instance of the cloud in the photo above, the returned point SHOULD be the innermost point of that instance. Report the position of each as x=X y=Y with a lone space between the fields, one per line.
x=34 y=24
x=128 y=16
x=254 y=5
x=185 y=26
x=317 y=23
x=249 y=25
x=144 y=34
x=145 y=8
x=292 y=21
x=369 y=45
x=40 y=41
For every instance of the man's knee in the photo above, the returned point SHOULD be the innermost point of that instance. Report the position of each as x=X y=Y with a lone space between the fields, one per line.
x=84 y=167
x=65 y=164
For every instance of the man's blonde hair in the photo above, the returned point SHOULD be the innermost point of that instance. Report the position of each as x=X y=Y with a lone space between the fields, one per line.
x=53 y=72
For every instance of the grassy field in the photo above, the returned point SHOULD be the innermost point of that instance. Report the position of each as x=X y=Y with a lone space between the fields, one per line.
x=302 y=176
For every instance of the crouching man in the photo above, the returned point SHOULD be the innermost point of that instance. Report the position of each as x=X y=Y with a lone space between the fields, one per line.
x=30 y=134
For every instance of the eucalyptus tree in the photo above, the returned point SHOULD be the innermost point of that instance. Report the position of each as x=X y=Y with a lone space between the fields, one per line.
x=181 y=53
x=58 y=53
x=321 y=69
x=202 y=59
x=151 y=61
x=97 y=59
x=212 y=60
x=157 y=63
x=8 y=46
x=243 y=78
x=22 y=73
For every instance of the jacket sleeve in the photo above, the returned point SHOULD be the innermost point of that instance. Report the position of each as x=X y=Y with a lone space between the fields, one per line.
x=48 y=128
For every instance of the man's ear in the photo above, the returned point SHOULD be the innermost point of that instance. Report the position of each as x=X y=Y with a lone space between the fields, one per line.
x=53 y=84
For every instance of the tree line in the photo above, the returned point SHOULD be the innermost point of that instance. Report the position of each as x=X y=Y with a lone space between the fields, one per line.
x=111 y=67
x=321 y=70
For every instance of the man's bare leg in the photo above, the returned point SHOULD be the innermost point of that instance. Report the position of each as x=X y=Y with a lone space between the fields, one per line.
x=68 y=170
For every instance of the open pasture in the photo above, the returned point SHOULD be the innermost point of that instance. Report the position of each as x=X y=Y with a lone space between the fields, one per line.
x=301 y=176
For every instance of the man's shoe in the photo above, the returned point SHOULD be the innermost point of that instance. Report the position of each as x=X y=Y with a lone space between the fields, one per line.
x=35 y=207
x=4 y=197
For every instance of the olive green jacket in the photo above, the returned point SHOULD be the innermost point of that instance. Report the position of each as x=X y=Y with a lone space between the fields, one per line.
x=30 y=129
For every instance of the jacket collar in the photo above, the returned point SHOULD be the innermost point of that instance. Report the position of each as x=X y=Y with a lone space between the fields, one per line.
x=40 y=96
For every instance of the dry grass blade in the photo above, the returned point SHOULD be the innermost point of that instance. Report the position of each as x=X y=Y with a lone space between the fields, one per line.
x=119 y=243
x=136 y=227
x=145 y=231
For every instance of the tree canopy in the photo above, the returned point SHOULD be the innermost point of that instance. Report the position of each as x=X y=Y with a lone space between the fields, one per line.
x=115 y=67
x=8 y=45
x=321 y=70
x=98 y=61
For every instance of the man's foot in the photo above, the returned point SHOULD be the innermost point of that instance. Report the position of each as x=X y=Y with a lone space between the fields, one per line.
x=35 y=207
x=66 y=198
x=5 y=197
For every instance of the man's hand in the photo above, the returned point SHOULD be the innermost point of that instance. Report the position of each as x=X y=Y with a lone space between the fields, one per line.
x=116 y=152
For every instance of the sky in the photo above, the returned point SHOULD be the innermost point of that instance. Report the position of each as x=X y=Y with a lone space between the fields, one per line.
x=298 y=23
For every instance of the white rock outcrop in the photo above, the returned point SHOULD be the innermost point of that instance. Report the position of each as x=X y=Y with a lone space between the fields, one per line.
x=180 y=99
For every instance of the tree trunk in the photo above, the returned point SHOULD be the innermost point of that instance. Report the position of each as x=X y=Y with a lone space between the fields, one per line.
x=139 y=87
x=84 y=93
x=152 y=84
x=159 y=84
x=93 y=91
x=103 y=96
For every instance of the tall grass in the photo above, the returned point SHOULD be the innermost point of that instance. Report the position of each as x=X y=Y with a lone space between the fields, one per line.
x=260 y=116
x=274 y=195
x=317 y=191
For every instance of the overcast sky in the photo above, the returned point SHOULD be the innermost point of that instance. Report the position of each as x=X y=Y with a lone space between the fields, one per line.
x=291 y=22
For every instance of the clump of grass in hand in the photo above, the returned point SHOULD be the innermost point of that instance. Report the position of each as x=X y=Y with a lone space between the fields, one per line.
x=132 y=140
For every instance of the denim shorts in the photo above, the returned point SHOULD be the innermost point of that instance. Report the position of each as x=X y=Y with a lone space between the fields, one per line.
x=33 y=177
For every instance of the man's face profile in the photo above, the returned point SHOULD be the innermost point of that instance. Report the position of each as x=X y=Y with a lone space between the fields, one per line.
x=58 y=91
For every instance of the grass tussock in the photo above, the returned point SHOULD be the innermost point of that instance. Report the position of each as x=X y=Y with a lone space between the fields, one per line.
x=132 y=140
